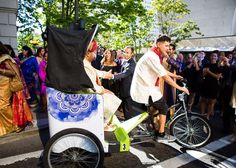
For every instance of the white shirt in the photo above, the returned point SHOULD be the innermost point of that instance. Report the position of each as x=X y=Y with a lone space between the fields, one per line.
x=147 y=70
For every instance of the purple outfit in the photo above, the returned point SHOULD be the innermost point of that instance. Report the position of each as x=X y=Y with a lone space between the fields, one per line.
x=42 y=76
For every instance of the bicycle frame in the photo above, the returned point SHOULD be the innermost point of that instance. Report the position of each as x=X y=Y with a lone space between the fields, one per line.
x=181 y=106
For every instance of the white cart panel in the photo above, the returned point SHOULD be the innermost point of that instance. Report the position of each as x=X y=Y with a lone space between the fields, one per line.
x=75 y=111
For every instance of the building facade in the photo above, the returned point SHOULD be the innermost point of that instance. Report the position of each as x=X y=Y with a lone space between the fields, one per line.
x=214 y=17
x=217 y=22
x=8 y=29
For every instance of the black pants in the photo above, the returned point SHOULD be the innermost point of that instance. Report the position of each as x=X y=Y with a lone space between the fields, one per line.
x=127 y=106
x=228 y=112
x=159 y=105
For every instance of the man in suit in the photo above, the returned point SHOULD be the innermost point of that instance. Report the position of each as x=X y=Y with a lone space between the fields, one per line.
x=96 y=63
x=125 y=77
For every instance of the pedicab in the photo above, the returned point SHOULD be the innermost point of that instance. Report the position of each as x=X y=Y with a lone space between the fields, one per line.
x=76 y=115
x=76 y=119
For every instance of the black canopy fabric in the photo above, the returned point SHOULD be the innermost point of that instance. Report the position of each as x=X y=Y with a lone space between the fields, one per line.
x=66 y=51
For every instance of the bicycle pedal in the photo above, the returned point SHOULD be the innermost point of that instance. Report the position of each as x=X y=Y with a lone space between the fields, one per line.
x=138 y=141
x=142 y=127
x=140 y=136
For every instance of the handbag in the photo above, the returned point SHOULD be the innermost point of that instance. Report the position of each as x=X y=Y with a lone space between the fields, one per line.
x=15 y=82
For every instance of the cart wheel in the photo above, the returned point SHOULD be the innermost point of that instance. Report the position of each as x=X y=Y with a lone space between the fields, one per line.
x=73 y=148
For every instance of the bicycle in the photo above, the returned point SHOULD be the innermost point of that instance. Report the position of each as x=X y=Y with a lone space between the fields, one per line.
x=190 y=129
x=82 y=143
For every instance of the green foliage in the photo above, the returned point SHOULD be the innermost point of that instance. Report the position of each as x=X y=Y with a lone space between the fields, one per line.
x=62 y=12
x=26 y=38
x=120 y=23
x=168 y=14
x=185 y=30
x=135 y=33
x=23 y=39
x=28 y=16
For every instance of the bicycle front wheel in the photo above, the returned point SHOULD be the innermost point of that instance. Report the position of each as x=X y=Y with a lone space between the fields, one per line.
x=73 y=148
x=192 y=134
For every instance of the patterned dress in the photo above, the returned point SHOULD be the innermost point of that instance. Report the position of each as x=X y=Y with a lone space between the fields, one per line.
x=29 y=67
x=6 y=115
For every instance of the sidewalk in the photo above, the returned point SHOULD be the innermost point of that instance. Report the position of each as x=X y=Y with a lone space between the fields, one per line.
x=40 y=121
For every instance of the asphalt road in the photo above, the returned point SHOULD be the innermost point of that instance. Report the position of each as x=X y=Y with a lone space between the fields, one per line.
x=24 y=150
x=220 y=152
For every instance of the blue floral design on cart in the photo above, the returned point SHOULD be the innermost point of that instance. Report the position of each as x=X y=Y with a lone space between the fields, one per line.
x=71 y=107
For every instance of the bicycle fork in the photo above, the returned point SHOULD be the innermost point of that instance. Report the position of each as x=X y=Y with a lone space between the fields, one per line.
x=181 y=98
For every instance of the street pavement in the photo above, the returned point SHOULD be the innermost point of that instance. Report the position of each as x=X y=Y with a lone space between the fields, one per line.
x=219 y=153
x=24 y=150
x=40 y=121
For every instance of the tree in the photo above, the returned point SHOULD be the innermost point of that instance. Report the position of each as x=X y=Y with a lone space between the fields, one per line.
x=135 y=33
x=62 y=12
x=169 y=16
x=28 y=16
x=140 y=32
x=29 y=39
x=113 y=16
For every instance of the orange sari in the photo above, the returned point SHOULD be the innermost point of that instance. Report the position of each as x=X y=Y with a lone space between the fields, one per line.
x=6 y=116
x=14 y=110
x=21 y=111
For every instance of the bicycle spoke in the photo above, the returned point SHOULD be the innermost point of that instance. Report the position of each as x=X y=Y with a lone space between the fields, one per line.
x=76 y=152
x=183 y=138
x=180 y=129
x=193 y=133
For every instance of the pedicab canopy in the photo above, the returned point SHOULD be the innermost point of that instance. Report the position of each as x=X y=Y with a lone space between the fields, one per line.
x=66 y=51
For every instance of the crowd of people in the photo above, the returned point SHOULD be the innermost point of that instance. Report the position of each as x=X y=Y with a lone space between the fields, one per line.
x=119 y=76
x=211 y=80
x=29 y=71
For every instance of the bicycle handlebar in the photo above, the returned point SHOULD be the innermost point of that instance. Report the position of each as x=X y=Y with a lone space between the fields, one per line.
x=184 y=83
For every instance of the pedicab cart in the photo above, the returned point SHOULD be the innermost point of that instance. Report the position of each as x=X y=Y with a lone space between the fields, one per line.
x=76 y=121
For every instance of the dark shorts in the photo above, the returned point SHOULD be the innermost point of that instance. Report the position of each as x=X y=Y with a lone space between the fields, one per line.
x=160 y=105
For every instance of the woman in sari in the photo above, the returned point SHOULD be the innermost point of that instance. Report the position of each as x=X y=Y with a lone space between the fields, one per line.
x=29 y=67
x=42 y=77
x=39 y=55
x=22 y=115
x=6 y=73
x=18 y=62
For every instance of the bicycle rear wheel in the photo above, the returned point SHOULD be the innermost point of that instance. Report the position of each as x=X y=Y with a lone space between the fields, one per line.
x=192 y=135
x=73 y=148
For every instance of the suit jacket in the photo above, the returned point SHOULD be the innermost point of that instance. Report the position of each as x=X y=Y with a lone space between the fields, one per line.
x=97 y=62
x=125 y=77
